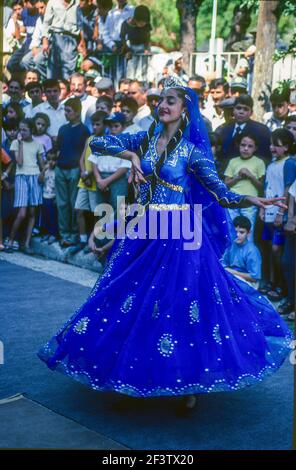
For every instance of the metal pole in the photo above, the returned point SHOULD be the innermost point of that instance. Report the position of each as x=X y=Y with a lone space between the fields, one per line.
x=213 y=35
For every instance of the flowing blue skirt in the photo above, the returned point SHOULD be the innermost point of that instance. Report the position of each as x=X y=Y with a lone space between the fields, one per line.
x=164 y=321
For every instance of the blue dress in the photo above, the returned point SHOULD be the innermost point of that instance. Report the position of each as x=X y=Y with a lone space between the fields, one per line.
x=164 y=320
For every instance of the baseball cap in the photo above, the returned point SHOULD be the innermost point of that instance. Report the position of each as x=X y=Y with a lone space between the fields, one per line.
x=115 y=117
x=239 y=82
x=227 y=103
x=104 y=83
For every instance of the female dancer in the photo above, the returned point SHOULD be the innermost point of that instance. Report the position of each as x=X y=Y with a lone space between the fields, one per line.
x=164 y=320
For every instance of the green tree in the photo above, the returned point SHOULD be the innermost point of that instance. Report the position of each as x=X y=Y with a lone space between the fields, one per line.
x=265 y=46
x=188 y=11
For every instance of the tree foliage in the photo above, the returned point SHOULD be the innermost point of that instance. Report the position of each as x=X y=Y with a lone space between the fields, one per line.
x=165 y=20
x=286 y=14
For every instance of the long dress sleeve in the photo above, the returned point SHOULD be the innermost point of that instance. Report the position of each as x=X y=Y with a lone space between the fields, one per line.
x=114 y=145
x=205 y=172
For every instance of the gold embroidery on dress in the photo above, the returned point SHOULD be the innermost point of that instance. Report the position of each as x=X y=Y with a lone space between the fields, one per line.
x=169 y=207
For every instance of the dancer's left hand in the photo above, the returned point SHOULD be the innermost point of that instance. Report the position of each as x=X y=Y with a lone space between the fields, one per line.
x=263 y=202
x=136 y=175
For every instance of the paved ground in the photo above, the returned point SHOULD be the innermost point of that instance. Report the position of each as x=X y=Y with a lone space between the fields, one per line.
x=38 y=299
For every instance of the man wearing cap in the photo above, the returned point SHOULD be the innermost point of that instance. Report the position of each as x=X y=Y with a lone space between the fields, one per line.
x=238 y=86
x=153 y=97
x=61 y=34
x=242 y=68
x=105 y=87
x=175 y=67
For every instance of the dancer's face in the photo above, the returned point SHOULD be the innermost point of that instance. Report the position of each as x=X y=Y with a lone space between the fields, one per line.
x=171 y=107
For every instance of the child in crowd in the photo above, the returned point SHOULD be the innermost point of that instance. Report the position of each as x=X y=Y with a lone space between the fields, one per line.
x=243 y=258
x=117 y=100
x=129 y=108
x=245 y=175
x=42 y=123
x=111 y=172
x=115 y=123
x=290 y=125
x=49 y=213
x=70 y=144
x=87 y=196
x=105 y=104
x=14 y=111
x=34 y=91
x=276 y=185
x=135 y=37
x=10 y=127
x=28 y=191
x=108 y=231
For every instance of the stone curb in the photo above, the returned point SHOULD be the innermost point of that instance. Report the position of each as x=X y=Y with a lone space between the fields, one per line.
x=55 y=252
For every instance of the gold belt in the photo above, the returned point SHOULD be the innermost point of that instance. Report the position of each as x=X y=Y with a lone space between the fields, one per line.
x=168 y=207
x=174 y=187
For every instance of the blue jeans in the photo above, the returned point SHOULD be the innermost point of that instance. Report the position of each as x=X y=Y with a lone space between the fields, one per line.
x=14 y=65
x=62 y=57
x=37 y=62
x=250 y=213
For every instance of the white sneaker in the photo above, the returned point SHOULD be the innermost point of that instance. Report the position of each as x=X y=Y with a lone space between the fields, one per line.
x=15 y=245
x=291 y=316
